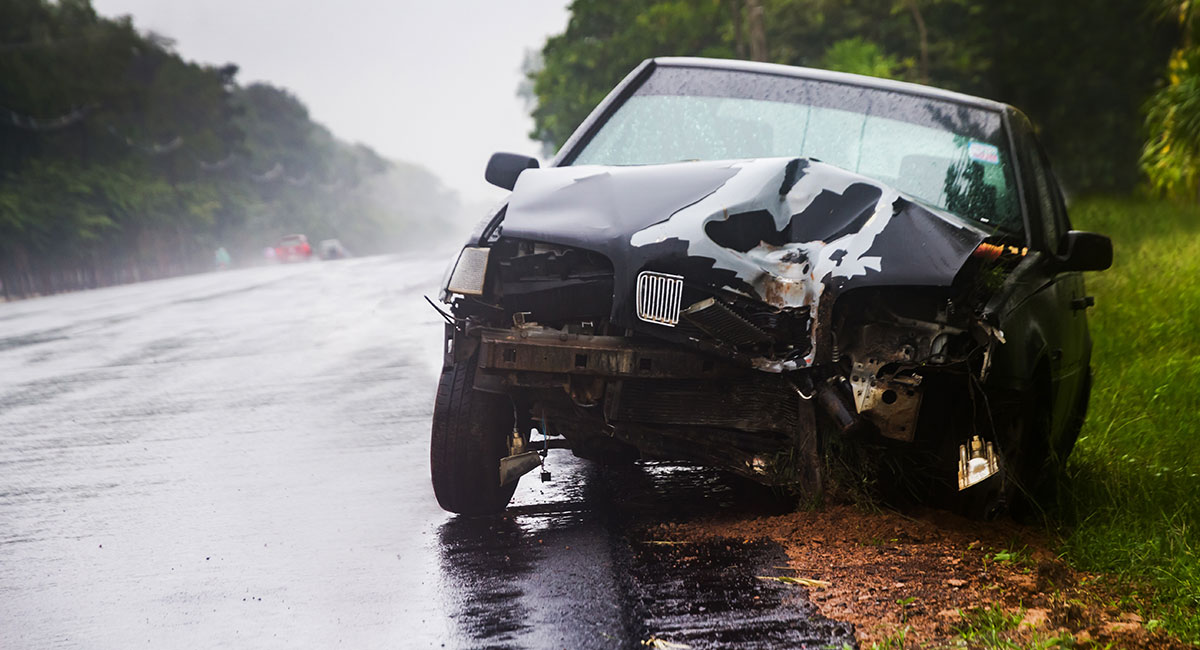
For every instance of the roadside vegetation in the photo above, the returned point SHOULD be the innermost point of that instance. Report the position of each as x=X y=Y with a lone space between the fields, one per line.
x=121 y=161
x=1082 y=75
x=1132 y=503
x=1115 y=97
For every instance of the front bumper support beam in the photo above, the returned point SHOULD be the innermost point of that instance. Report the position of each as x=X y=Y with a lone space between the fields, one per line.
x=539 y=349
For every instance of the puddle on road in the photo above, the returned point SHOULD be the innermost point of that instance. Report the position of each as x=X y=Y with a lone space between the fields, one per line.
x=485 y=563
x=708 y=595
x=570 y=565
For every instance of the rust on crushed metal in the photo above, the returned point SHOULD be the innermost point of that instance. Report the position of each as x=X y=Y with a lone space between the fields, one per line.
x=781 y=291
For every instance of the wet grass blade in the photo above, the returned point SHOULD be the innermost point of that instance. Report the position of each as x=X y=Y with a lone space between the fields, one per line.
x=806 y=582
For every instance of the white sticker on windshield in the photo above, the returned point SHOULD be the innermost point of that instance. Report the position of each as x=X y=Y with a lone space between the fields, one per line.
x=984 y=152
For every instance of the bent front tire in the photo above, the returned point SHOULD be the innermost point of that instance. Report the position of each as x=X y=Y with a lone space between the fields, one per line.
x=470 y=435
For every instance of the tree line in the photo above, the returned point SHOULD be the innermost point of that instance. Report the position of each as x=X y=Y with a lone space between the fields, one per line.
x=1113 y=87
x=120 y=161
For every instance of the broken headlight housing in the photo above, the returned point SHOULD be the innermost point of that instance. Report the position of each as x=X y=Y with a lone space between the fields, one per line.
x=469 y=272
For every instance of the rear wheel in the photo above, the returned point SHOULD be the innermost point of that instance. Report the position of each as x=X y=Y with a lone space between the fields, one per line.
x=1066 y=444
x=470 y=435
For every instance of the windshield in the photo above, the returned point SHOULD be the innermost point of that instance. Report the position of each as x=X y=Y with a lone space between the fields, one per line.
x=944 y=154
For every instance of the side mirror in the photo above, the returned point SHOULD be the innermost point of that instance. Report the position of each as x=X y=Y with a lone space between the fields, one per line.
x=504 y=168
x=1085 y=251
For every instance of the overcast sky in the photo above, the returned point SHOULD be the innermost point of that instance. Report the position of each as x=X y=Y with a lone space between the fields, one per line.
x=428 y=81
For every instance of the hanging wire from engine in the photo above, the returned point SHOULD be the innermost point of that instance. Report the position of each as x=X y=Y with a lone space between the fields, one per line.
x=545 y=446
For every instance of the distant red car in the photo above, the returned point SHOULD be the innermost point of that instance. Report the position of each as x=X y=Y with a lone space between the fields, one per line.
x=293 y=248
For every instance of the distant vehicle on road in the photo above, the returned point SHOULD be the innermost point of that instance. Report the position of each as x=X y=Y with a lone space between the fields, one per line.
x=222 y=259
x=293 y=248
x=332 y=249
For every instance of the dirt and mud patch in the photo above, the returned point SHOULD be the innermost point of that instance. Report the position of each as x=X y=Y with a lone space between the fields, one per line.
x=928 y=579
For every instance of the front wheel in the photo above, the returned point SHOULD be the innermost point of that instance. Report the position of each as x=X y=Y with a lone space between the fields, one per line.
x=470 y=435
x=1027 y=481
x=1031 y=476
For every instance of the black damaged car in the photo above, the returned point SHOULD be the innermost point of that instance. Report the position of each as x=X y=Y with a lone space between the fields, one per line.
x=744 y=265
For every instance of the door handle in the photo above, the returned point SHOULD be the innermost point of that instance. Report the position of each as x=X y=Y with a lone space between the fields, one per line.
x=1083 y=303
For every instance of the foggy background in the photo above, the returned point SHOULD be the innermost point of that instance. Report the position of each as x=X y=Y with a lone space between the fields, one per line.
x=433 y=83
x=142 y=139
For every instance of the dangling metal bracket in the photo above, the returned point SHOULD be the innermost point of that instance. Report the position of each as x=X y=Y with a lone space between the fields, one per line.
x=976 y=462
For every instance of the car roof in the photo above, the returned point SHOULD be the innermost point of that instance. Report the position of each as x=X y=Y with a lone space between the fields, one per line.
x=829 y=76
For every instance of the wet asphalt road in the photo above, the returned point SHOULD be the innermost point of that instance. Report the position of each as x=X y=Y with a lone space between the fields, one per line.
x=240 y=459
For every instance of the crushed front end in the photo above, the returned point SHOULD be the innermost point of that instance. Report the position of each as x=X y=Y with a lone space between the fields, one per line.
x=728 y=313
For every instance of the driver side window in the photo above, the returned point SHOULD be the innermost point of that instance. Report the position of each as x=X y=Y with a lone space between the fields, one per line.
x=1045 y=199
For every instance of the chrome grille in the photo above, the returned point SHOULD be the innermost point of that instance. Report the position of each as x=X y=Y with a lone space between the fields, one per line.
x=658 y=297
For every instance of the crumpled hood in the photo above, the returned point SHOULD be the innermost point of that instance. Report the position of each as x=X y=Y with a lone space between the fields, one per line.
x=786 y=231
x=593 y=205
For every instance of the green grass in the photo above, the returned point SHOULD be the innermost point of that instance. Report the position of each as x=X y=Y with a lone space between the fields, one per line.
x=995 y=629
x=893 y=641
x=1132 y=501
x=987 y=627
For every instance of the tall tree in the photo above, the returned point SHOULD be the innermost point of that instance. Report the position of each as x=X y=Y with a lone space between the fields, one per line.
x=121 y=161
x=1171 y=155
x=1082 y=74
x=758 y=33
x=604 y=40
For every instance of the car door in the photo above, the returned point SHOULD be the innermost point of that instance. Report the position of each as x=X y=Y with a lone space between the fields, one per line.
x=1071 y=355
x=1040 y=317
